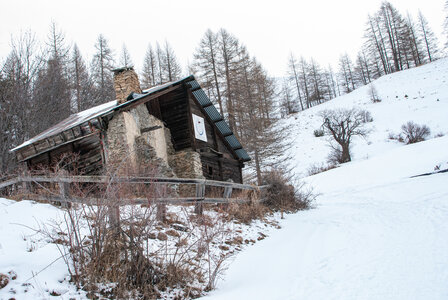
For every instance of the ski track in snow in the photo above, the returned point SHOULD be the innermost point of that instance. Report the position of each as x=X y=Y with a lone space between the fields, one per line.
x=390 y=244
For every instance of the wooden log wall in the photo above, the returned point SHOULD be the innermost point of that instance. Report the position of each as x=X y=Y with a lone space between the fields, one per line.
x=173 y=110
x=218 y=162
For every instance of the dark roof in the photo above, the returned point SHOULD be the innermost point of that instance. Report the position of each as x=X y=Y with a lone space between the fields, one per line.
x=109 y=107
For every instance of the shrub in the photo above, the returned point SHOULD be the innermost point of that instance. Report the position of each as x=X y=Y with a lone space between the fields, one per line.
x=415 y=133
x=246 y=212
x=318 y=132
x=281 y=195
x=366 y=116
x=319 y=168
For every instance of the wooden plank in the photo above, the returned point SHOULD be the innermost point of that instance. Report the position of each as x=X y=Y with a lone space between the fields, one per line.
x=227 y=192
x=9 y=182
x=200 y=193
x=136 y=201
x=157 y=94
x=57 y=146
x=190 y=122
x=147 y=180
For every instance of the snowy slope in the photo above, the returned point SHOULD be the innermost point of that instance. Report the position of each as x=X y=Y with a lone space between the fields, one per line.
x=426 y=88
x=382 y=242
x=37 y=263
x=375 y=233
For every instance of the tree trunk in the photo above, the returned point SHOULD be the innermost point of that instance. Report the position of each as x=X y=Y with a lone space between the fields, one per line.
x=345 y=155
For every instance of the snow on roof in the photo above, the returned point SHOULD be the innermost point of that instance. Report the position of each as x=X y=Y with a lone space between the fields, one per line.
x=72 y=121
x=91 y=113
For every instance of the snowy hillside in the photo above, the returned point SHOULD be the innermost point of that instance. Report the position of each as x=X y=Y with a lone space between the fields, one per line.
x=419 y=95
x=376 y=233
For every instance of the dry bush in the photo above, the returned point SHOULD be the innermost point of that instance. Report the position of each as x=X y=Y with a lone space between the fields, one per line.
x=318 y=132
x=281 y=195
x=319 y=168
x=110 y=249
x=246 y=212
x=415 y=133
x=396 y=137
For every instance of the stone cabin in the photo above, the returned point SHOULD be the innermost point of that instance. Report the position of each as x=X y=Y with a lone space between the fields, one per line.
x=174 y=127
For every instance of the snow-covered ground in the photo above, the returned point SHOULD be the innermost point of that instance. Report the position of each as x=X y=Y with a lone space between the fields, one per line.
x=37 y=270
x=37 y=264
x=375 y=233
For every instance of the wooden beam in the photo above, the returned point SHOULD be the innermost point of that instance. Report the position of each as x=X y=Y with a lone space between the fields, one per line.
x=124 y=107
x=190 y=120
x=133 y=180
x=137 y=201
x=57 y=146
x=152 y=128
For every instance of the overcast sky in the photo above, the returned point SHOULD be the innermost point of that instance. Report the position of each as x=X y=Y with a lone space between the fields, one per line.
x=322 y=29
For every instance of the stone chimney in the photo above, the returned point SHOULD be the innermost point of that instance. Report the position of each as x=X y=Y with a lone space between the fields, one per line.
x=125 y=82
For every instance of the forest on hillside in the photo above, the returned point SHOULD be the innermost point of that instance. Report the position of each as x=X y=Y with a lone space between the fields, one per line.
x=43 y=82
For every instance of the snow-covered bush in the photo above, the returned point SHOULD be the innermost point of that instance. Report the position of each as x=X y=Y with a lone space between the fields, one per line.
x=415 y=133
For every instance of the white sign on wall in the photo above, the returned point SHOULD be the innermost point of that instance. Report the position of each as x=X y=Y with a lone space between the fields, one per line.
x=199 y=128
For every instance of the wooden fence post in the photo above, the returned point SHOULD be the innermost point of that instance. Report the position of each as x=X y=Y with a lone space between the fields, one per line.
x=161 y=212
x=228 y=192
x=26 y=185
x=64 y=190
x=200 y=193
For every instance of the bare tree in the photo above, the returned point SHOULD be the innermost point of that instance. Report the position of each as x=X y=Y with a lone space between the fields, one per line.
x=206 y=63
x=317 y=84
x=51 y=93
x=428 y=37
x=343 y=124
x=102 y=65
x=149 y=68
x=81 y=83
x=303 y=66
x=125 y=58
x=229 y=47
x=160 y=62
x=293 y=70
x=287 y=102
x=171 y=65
x=346 y=71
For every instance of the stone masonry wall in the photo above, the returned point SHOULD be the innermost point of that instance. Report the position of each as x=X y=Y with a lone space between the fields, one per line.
x=130 y=149
x=125 y=82
x=187 y=164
